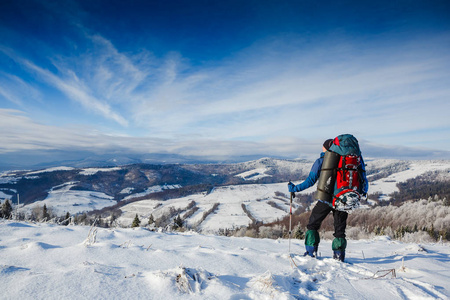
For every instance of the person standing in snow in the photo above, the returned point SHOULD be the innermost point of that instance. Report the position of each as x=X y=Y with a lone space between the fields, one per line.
x=323 y=208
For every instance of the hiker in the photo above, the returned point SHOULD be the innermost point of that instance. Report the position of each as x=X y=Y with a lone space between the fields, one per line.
x=328 y=200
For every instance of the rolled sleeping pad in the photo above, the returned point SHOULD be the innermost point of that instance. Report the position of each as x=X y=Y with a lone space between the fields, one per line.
x=327 y=178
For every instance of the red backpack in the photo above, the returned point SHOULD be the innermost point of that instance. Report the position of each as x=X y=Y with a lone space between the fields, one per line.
x=347 y=188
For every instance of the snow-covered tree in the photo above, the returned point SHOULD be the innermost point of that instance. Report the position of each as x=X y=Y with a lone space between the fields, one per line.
x=299 y=233
x=136 y=222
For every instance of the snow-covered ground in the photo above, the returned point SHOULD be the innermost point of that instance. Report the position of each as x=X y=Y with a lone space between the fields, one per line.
x=264 y=202
x=261 y=200
x=229 y=214
x=92 y=171
x=62 y=199
x=44 y=261
x=150 y=190
x=388 y=185
x=3 y=195
x=254 y=174
x=62 y=168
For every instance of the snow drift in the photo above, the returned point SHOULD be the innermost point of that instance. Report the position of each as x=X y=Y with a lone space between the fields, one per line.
x=44 y=261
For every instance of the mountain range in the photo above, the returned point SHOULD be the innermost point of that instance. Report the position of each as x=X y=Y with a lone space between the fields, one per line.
x=208 y=197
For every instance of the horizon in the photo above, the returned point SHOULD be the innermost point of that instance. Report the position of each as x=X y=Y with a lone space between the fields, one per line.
x=220 y=81
x=98 y=163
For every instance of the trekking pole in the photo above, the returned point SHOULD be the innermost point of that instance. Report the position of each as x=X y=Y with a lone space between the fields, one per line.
x=290 y=221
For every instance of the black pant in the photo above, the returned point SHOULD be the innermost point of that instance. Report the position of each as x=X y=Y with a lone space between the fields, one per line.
x=321 y=211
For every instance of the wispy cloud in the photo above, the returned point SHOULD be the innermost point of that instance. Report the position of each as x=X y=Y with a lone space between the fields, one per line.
x=244 y=99
x=69 y=84
x=354 y=96
x=281 y=95
x=16 y=90
x=22 y=134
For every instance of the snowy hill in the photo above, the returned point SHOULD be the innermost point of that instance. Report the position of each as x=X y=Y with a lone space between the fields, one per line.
x=264 y=202
x=44 y=261
x=413 y=169
x=208 y=197
x=62 y=199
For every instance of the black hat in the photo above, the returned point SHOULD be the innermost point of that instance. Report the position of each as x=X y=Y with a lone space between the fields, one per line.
x=327 y=144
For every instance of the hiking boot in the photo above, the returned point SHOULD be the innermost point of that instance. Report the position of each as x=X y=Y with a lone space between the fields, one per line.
x=339 y=255
x=311 y=251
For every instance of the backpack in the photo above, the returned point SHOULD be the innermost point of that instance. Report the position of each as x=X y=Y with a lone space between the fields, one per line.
x=348 y=179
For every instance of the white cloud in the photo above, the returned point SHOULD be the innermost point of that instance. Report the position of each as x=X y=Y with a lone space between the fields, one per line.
x=73 y=87
x=23 y=134
x=77 y=91
x=215 y=102
x=262 y=94
x=16 y=90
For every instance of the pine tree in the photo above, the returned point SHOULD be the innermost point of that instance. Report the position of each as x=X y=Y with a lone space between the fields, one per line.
x=136 y=222
x=299 y=234
x=45 y=214
x=151 y=220
x=65 y=220
x=178 y=222
x=112 y=219
x=6 y=209
x=431 y=232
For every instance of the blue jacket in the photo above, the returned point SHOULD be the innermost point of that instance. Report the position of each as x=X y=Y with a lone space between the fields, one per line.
x=314 y=175
x=365 y=186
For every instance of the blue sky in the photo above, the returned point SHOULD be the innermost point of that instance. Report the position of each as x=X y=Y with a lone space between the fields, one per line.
x=221 y=79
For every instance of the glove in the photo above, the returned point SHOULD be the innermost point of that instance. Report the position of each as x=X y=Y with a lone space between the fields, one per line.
x=291 y=187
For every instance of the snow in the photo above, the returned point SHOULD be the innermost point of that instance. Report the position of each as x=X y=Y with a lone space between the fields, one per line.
x=45 y=261
x=62 y=168
x=61 y=200
x=229 y=214
x=388 y=185
x=150 y=190
x=254 y=174
x=8 y=179
x=4 y=196
x=260 y=200
x=128 y=190
x=92 y=171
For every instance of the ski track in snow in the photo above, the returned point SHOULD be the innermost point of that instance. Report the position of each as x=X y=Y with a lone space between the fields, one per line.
x=45 y=261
